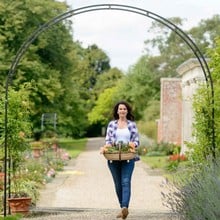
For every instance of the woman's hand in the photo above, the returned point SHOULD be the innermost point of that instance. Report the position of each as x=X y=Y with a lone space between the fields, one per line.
x=132 y=146
x=104 y=148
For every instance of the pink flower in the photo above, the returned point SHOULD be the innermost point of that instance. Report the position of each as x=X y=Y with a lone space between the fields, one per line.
x=51 y=172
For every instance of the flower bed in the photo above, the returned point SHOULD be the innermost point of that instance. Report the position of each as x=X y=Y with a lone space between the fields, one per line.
x=177 y=157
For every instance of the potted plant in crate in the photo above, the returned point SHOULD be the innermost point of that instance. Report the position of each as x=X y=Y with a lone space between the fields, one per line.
x=24 y=193
x=19 y=201
x=18 y=126
x=37 y=145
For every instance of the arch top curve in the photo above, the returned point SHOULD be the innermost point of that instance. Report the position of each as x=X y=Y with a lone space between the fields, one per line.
x=111 y=6
x=119 y=7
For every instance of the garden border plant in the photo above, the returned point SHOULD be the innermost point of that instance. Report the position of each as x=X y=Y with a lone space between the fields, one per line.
x=19 y=126
x=196 y=194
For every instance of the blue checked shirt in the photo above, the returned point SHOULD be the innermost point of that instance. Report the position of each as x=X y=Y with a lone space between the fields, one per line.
x=111 y=132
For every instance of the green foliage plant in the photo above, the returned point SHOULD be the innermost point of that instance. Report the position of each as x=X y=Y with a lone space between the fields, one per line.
x=11 y=217
x=21 y=186
x=102 y=111
x=203 y=147
x=174 y=161
x=34 y=170
x=163 y=148
x=197 y=196
x=214 y=63
x=19 y=127
x=147 y=125
x=145 y=142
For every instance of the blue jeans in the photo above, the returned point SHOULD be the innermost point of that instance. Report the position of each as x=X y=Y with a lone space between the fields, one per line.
x=122 y=172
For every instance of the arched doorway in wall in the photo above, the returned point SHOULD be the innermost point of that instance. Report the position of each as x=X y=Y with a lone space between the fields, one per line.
x=117 y=7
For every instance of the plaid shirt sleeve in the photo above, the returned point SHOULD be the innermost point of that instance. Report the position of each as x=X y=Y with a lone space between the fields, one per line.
x=134 y=132
x=110 y=133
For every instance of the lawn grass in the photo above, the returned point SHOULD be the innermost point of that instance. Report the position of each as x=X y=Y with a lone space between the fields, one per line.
x=155 y=162
x=161 y=163
x=73 y=146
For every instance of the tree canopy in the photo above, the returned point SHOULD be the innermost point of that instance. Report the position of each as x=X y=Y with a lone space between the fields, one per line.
x=62 y=73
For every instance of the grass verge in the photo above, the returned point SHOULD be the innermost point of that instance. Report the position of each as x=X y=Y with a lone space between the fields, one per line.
x=155 y=162
x=73 y=146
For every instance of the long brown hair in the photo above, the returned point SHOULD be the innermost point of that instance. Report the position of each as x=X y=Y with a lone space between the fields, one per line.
x=129 y=116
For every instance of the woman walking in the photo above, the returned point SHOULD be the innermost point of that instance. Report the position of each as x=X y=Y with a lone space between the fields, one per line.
x=122 y=129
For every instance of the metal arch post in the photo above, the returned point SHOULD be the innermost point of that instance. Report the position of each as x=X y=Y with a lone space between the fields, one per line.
x=98 y=7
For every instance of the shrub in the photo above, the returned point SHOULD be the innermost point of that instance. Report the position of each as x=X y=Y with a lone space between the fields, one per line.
x=34 y=171
x=145 y=142
x=149 y=128
x=147 y=125
x=207 y=113
x=174 y=161
x=177 y=157
x=197 y=196
x=165 y=148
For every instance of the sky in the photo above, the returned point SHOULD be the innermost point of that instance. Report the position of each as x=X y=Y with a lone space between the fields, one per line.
x=122 y=34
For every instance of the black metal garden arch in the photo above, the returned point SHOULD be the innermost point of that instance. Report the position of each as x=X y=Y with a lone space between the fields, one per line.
x=99 y=7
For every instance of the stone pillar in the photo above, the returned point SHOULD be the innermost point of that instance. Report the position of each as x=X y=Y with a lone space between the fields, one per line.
x=169 y=124
x=192 y=76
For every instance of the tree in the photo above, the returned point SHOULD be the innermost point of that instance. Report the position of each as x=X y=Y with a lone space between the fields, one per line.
x=206 y=32
x=19 y=18
x=170 y=48
x=138 y=86
x=50 y=64
x=141 y=85
x=107 y=79
x=98 y=62
x=101 y=113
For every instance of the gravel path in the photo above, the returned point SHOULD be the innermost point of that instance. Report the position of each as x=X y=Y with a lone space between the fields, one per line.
x=84 y=190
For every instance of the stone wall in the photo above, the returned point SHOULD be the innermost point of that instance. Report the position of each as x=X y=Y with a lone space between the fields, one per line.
x=192 y=75
x=176 y=112
x=169 y=124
